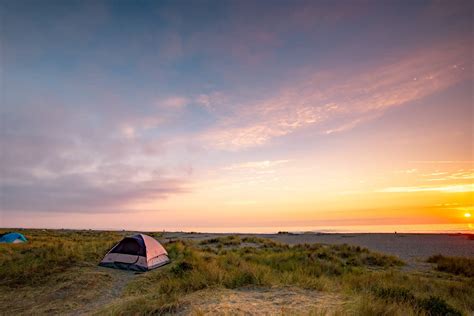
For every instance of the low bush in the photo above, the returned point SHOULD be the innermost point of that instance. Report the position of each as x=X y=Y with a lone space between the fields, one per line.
x=455 y=265
x=435 y=306
x=395 y=294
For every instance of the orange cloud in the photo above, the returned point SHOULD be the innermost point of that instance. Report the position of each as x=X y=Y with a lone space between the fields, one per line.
x=446 y=188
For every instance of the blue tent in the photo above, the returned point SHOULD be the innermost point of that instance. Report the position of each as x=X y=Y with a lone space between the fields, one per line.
x=12 y=238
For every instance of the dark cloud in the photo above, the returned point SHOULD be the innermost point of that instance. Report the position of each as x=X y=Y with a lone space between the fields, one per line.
x=61 y=158
x=82 y=193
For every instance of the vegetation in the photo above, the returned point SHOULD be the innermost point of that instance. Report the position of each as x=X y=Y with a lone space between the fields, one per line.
x=454 y=265
x=56 y=273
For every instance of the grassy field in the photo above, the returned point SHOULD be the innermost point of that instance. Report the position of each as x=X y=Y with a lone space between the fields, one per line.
x=56 y=273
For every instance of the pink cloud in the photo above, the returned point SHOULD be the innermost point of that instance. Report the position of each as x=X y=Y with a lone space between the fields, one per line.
x=174 y=102
x=339 y=100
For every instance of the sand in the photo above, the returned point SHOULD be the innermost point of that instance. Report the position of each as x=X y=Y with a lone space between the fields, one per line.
x=405 y=246
x=261 y=301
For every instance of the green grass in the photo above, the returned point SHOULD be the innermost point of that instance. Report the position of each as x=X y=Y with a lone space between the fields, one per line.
x=56 y=273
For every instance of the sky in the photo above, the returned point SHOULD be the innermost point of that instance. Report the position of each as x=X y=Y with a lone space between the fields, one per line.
x=152 y=115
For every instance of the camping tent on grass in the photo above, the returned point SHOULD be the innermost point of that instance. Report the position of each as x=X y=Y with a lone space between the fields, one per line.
x=12 y=238
x=138 y=252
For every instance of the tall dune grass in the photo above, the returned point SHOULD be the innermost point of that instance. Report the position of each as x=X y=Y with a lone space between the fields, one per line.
x=371 y=283
x=454 y=265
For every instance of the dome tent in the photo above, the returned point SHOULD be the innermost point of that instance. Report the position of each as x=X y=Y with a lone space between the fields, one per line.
x=12 y=238
x=138 y=252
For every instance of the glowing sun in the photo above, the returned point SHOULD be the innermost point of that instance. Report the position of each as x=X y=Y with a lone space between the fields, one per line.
x=467 y=215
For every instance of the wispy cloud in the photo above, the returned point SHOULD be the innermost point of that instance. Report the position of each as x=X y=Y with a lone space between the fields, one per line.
x=98 y=191
x=174 y=102
x=242 y=202
x=455 y=188
x=265 y=164
x=445 y=176
x=434 y=162
x=338 y=100
x=57 y=158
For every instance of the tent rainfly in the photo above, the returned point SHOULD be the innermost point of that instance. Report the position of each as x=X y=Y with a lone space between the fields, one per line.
x=138 y=252
x=12 y=238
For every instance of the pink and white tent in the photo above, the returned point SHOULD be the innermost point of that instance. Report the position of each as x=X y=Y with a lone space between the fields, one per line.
x=138 y=252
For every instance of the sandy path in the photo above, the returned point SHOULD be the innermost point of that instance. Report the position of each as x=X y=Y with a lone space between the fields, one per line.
x=120 y=279
x=260 y=301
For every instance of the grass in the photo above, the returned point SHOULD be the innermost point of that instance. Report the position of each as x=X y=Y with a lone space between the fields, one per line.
x=454 y=265
x=432 y=305
x=56 y=273
x=369 y=280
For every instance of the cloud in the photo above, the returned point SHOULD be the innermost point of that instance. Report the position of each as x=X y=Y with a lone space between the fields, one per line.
x=454 y=181
x=58 y=157
x=212 y=101
x=176 y=102
x=445 y=176
x=469 y=162
x=455 y=188
x=339 y=100
x=128 y=132
x=83 y=192
x=242 y=202
x=265 y=164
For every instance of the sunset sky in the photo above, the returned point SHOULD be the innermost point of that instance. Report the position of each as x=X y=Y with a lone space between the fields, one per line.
x=224 y=114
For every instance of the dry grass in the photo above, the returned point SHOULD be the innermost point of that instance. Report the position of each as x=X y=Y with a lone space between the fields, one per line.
x=369 y=283
x=54 y=273
x=454 y=265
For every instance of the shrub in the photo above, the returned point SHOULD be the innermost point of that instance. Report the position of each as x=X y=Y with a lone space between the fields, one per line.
x=454 y=265
x=181 y=268
x=436 y=306
x=433 y=306
x=396 y=294
x=210 y=241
